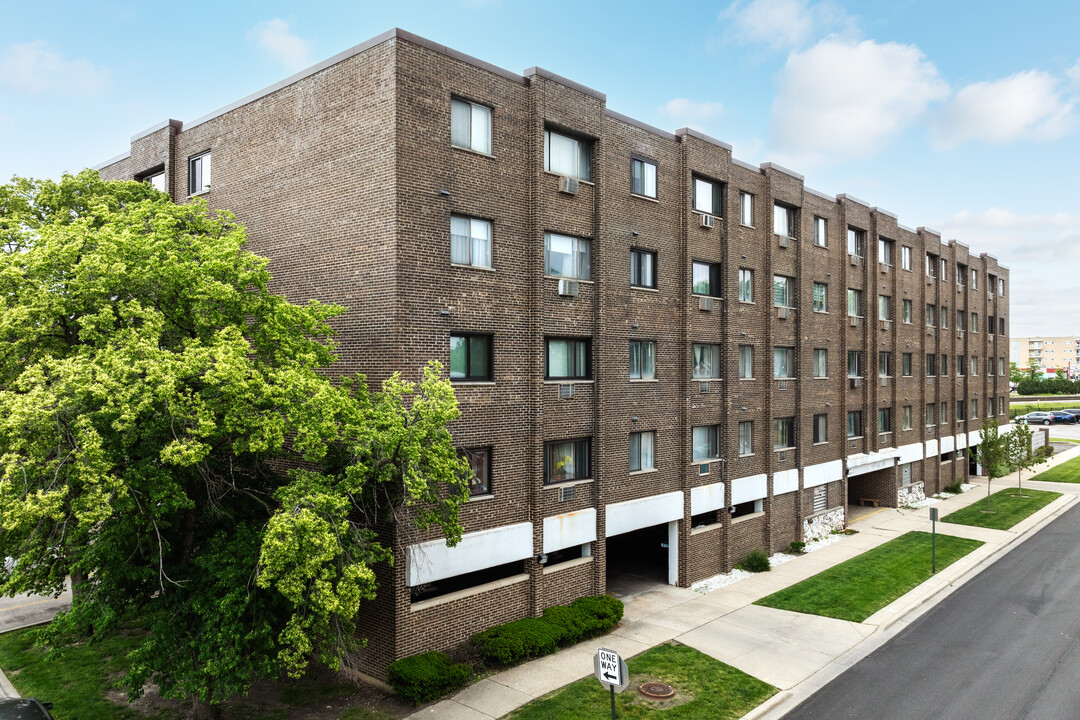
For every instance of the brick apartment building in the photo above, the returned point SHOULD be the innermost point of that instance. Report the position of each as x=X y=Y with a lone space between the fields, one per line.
x=665 y=357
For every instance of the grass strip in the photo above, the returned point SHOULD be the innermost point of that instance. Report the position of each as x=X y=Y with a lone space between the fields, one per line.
x=1007 y=509
x=857 y=588
x=706 y=689
x=1066 y=472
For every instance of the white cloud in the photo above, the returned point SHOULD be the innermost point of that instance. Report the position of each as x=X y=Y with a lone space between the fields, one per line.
x=1042 y=253
x=35 y=68
x=691 y=113
x=841 y=99
x=782 y=24
x=1022 y=106
x=1073 y=74
x=288 y=48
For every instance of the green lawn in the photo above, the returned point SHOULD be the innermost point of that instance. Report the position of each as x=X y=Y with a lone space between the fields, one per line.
x=856 y=589
x=1068 y=472
x=706 y=689
x=1024 y=408
x=1007 y=509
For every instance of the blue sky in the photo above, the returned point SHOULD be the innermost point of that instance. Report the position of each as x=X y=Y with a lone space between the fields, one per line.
x=960 y=116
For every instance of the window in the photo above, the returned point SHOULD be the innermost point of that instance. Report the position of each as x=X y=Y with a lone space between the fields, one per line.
x=884 y=420
x=567 y=257
x=706 y=279
x=784 y=221
x=480 y=462
x=470 y=126
x=854 y=424
x=706 y=360
x=155 y=180
x=705 y=442
x=884 y=307
x=856 y=242
x=974 y=365
x=1001 y=366
x=1001 y=406
x=905 y=257
x=931 y=414
x=470 y=357
x=961 y=271
x=199 y=173
x=944 y=269
x=820 y=232
x=568 y=359
x=783 y=362
x=905 y=364
x=746 y=361
x=1001 y=326
x=854 y=303
x=931 y=365
x=746 y=285
x=945 y=317
x=884 y=363
x=820 y=293
x=642 y=268
x=931 y=265
x=944 y=414
x=567 y=156
x=821 y=356
x=931 y=315
x=470 y=241
x=641 y=451
x=961 y=364
x=783 y=291
x=974 y=322
x=707 y=196
x=566 y=460
x=884 y=251
x=990 y=323
x=821 y=428
x=1001 y=287
x=974 y=408
x=905 y=417
x=783 y=433
x=960 y=411
x=643 y=177
x=642 y=360
x=944 y=364
x=905 y=311
x=854 y=363
x=746 y=438
x=974 y=279
x=746 y=209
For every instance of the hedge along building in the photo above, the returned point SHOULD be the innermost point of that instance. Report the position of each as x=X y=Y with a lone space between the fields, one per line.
x=665 y=357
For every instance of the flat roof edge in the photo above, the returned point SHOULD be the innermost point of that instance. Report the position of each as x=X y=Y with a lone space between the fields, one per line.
x=781 y=169
x=852 y=198
x=455 y=54
x=905 y=228
x=112 y=161
x=535 y=70
x=883 y=211
x=932 y=231
x=746 y=165
x=702 y=136
x=638 y=124
x=823 y=196
x=154 y=128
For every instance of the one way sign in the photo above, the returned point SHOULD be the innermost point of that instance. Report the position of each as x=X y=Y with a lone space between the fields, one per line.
x=611 y=670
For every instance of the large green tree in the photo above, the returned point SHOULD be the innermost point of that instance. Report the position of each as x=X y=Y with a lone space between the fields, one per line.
x=170 y=440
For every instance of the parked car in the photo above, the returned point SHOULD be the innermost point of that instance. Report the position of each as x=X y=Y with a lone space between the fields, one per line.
x=1036 y=418
x=1060 y=416
x=25 y=709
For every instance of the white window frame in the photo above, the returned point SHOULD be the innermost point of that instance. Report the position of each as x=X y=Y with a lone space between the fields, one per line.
x=746 y=285
x=581 y=257
x=645 y=451
x=821 y=235
x=705 y=356
x=199 y=173
x=580 y=167
x=746 y=438
x=820 y=363
x=746 y=209
x=746 y=362
x=647 y=177
x=473 y=241
x=467 y=137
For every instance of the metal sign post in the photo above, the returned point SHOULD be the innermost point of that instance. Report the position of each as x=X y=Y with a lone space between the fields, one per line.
x=611 y=671
x=933 y=540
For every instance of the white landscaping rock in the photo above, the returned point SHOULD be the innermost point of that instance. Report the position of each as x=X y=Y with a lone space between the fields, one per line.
x=821 y=526
x=909 y=495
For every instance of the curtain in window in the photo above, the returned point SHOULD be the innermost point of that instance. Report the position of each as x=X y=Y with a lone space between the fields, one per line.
x=459 y=240
x=705 y=365
x=481 y=129
x=746 y=286
x=746 y=361
x=560 y=255
x=782 y=362
x=558 y=358
x=583 y=271
x=562 y=461
x=746 y=445
x=780 y=292
x=819 y=297
x=460 y=123
x=782 y=221
x=480 y=230
x=641 y=450
x=703 y=443
x=853 y=303
x=563 y=155
x=819 y=363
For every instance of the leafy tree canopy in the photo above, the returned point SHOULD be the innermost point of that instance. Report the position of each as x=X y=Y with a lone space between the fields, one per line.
x=168 y=440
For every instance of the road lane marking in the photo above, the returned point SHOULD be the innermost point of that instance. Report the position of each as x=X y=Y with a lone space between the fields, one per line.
x=36 y=602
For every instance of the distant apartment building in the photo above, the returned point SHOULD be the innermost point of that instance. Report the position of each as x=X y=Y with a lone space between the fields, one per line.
x=1047 y=353
x=665 y=357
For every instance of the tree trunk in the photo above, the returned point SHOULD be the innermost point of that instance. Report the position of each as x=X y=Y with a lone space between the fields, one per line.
x=205 y=710
x=78 y=582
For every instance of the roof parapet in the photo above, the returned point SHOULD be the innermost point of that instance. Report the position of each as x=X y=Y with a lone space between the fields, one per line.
x=702 y=136
x=565 y=81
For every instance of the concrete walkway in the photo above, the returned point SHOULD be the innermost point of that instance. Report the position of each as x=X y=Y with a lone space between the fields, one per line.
x=797 y=653
x=24 y=611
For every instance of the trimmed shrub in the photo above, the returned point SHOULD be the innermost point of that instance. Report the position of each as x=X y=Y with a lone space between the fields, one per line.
x=953 y=488
x=757 y=560
x=604 y=609
x=427 y=676
x=797 y=548
x=518 y=640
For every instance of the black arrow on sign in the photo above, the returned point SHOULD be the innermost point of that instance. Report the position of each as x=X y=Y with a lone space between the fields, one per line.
x=608 y=676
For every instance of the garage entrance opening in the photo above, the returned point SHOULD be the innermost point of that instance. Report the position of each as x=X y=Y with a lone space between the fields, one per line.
x=875 y=489
x=637 y=561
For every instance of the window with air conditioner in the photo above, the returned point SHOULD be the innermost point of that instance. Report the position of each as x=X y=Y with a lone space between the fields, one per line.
x=854 y=363
x=854 y=303
x=854 y=424
x=884 y=368
x=931 y=315
x=705 y=443
x=783 y=363
x=884 y=420
x=784 y=221
x=783 y=291
x=568 y=359
x=856 y=242
x=470 y=126
x=707 y=196
x=706 y=279
x=567 y=460
x=884 y=305
x=783 y=433
x=564 y=155
x=706 y=359
x=470 y=241
x=885 y=251
x=567 y=257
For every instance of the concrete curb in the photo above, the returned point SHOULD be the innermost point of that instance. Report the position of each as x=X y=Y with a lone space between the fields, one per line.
x=7 y=690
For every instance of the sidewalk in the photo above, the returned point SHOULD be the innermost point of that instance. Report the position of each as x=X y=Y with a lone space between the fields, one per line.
x=797 y=653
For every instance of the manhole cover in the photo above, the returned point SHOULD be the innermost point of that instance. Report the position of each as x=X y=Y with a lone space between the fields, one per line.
x=656 y=690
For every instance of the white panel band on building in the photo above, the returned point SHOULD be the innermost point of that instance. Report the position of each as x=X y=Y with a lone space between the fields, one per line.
x=910 y=453
x=704 y=498
x=563 y=531
x=430 y=561
x=948 y=443
x=814 y=475
x=931 y=448
x=869 y=462
x=644 y=512
x=973 y=437
x=785 y=481
x=750 y=488
x=961 y=441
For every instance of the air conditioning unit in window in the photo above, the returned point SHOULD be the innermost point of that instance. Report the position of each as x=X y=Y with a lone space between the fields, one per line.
x=706 y=221
x=783 y=313
x=566 y=493
x=568 y=185
x=705 y=303
x=703 y=387
x=886 y=324
x=855 y=260
x=884 y=382
x=784 y=241
x=884 y=268
x=929 y=379
x=853 y=320
x=960 y=334
x=855 y=382
x=781 y=385
x=703 y=469
x=566 y=391
x=990 y=295
x=782 y=455
x=568 y=288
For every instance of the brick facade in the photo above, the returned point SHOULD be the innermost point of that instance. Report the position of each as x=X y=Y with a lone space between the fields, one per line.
x=345 y=176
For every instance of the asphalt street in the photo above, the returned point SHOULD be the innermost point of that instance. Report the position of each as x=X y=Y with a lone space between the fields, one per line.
x=1004 y=646
x=26 y=610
